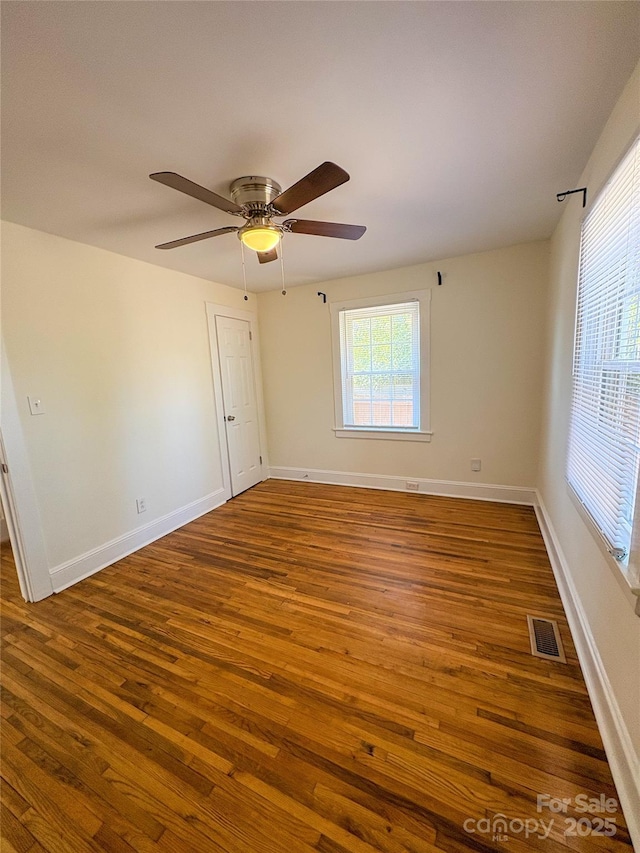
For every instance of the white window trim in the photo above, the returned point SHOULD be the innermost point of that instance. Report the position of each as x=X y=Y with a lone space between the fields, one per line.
x=384 y=433
x=628 y=569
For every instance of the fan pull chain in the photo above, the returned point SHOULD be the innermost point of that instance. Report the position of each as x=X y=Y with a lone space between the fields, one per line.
x=281 y=253
x=244 y=272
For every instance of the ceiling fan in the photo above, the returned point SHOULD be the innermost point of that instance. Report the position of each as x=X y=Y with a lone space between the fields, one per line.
x=259 y=200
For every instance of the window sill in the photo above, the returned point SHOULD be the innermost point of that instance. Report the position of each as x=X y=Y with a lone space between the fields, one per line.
x=621 y=568
x=384 y=434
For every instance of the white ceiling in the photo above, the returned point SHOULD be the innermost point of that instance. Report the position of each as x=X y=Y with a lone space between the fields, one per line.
x=457 y=121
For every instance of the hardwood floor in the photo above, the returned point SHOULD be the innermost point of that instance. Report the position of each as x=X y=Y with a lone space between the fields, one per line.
x=308 y=667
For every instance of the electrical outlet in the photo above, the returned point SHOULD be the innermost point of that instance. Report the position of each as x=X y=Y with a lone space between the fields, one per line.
x=141 y=505
x=476 y=464
x=412 y=485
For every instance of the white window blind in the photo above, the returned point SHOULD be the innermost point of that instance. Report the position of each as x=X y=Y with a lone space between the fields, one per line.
x=604 y=435
x=380 y=366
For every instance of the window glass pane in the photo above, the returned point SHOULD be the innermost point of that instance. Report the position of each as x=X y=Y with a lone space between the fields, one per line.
x=629 y=340
x=381 y=385
x=381 y=358
x=380 y=361
x=403 y=386
x=381 y=411
x=402 y=354
x=402 y=325
x=381 y=330
x=402 y=413
x=362 y=387
x=361 y=359
x=361 y=332
x=362 y=412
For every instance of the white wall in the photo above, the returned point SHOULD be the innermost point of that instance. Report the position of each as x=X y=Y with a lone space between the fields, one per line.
x=118 y=352
x=601 y=597
x=487 y=345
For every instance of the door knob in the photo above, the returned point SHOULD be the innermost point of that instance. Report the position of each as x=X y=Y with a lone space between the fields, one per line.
x=231 y=417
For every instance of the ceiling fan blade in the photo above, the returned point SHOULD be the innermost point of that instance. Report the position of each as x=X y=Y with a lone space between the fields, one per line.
x=325 y=229
x=265 y=257
x=173 y=244
x=325 y=177
x=184 y=185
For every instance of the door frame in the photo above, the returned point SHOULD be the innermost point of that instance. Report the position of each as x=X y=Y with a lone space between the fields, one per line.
x=215 y=310
x=19 y=499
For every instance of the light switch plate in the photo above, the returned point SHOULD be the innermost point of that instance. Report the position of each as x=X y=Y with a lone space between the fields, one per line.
x=36 y=406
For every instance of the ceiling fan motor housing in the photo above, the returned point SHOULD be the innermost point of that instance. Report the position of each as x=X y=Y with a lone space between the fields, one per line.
x=261 y=224
x=254 y=192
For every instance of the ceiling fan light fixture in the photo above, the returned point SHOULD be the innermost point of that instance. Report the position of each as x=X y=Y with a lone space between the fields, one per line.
x=260 y=236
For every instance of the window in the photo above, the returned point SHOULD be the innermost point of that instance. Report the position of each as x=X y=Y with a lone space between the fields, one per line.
x=604 y=434
x=380 y=366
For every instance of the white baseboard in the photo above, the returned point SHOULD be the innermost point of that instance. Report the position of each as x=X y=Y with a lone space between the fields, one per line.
x=624 y=760
x=445 y=488
x=87 y=564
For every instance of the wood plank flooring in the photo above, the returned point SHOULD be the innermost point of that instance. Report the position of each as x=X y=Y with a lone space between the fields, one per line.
x=307 y=668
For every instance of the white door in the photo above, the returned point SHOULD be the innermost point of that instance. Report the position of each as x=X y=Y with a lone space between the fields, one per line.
x=240 y=403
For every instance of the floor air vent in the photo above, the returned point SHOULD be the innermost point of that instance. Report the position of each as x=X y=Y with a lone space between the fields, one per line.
x=545 y=639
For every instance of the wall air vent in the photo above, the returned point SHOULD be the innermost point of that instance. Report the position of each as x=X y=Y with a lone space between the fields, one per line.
x=545 y=639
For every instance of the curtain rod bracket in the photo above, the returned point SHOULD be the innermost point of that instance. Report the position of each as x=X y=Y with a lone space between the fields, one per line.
x=583 y=190
x=324 y=296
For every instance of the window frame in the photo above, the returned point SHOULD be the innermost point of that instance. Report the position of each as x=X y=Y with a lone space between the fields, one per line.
x=627 y=567
x=423 y=433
